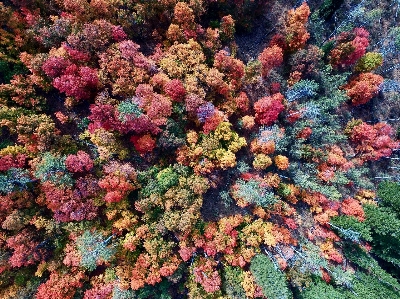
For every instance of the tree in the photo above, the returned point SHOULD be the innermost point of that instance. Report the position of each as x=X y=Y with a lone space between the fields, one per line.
x=27 y=249
x=232 y=68
x=227 y=27
x=231 y=278
x=303 y=89
x=350 y=46
x=268 y=109
x=143 y=144
x=270 y=58
x=94 y=249
x=205 y=111
x=389 y=195
x=117 y=187
x=352 y=207
x=296 y=32
x=81 y=162
x=77 y=82
x=52 y=169
x=252 y=192
x=363 y=87
x=123 y=67
x=60 y=285
x=369 y=62
x=175 y=90
x=372 y=141
x=204 y=272
x=269 y=278
x=281 y=162
x=385 y=237
x=15 y=179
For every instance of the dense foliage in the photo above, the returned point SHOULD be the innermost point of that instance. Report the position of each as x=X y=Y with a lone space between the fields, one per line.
x=199 y=149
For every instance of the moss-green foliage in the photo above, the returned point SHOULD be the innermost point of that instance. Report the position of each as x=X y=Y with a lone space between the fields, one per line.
x=370 y=287
x=158 y=291
x=350 y=228
x=29 y=289
x=365 y=286
x=327 y=47
x=384 y=223
x=23 y=276
x=365 y=262
x=172 y=137
x=156 y=181
x=328 y=8
x=303 y=177
x=148 y=180
x=321 y=290
x=232 y=278
x=271 y=280
x=359 y=176
x=5 y=142
x=389 y=195
x=12 y=114
x=167 y=178
x=330 y=84
x=385 y=226
x=369 y=62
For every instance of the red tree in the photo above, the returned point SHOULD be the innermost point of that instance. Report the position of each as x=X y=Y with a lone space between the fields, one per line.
x=268 y=108
x=363 y=88
x=270 y=58
x=350 y=46
x=55 y=66
x=206 y=274
x=229 y=66
x=143 y=144
x=26 y=250
x=72 y=205
x=77 y=82
x=296 y=31
x=372 y=141
x=353 y=207
x=9 y=161
x=81 y=162
x=60 y=286
x=175 y=90
x=117 y=187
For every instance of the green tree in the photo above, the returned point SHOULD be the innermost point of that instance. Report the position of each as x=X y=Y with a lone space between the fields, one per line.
x=93 y=249
x=232 y=276
x=269 y=278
